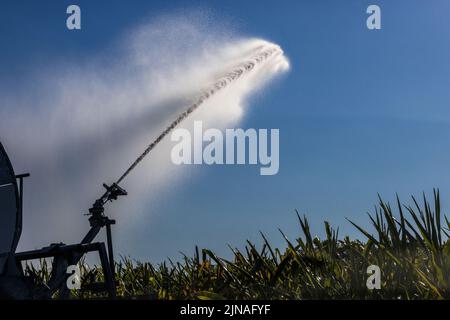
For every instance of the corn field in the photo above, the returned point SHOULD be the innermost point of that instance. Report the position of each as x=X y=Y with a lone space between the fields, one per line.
x=408 y=242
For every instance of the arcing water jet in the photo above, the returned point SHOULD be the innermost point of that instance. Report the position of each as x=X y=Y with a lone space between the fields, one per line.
x=263 y=53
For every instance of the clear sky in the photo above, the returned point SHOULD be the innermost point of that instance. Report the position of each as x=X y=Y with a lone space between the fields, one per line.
x=360 y=112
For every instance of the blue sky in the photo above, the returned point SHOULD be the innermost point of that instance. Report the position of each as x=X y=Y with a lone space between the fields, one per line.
x=361 y=112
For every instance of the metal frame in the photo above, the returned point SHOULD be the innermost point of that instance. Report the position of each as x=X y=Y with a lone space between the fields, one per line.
x=65 y=255
x=13 y=280
x=18 y=203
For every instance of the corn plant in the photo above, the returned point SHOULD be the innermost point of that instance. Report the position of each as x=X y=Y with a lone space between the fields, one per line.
x=409 y=244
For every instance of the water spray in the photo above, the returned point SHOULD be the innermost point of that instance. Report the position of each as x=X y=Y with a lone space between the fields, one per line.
x=265 y=52
x=98 y=219
x=11 y=271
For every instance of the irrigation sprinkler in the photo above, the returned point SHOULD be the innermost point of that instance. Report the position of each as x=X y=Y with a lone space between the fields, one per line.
x=14 y=284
